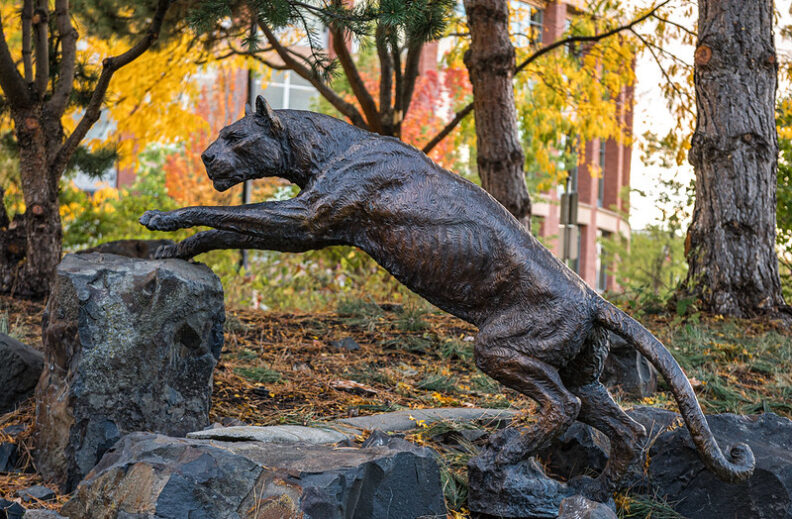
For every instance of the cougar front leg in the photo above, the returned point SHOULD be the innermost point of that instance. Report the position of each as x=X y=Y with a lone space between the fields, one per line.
x=206 y=241
x=263 y=219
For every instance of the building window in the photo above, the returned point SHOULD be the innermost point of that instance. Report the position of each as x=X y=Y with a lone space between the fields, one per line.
x=288 y=90
x=526 y=23
x=601 y=179
x=602 y=265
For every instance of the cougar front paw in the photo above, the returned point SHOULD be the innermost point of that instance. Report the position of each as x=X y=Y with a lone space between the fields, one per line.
x=160 y=221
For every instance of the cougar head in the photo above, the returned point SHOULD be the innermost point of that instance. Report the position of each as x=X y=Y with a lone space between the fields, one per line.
x=247 y=149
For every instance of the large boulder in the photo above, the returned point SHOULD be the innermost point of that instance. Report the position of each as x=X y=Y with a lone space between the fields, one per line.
x=676 y=472
x=20 y=369
x=153 y=476
x=130 y=345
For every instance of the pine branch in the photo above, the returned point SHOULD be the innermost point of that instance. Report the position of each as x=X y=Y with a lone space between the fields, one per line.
x=410 y=74
x=68 y=35
x=386 y=71
x=306 y=73
x=11 y=81
x=27 y=28
x=109 y=67
x=355 y=81
x=41 y=40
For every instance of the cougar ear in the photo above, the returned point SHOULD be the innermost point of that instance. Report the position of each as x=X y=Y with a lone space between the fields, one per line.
x=263 y=109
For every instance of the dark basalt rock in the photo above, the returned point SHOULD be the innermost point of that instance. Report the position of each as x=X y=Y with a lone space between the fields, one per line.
x=8 y=457
x=36 y=493
x=130 y=345
x=42 y=514
x=150 y=475
x=518 y=490
x=20 y=369
x=347 y=344
x=581 y=450
x=627 y=371
x=11 y=510
x=676 y=471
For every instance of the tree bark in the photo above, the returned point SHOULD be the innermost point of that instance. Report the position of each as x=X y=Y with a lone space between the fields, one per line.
x=30 y=245
x=730 y=245
x=490 y=63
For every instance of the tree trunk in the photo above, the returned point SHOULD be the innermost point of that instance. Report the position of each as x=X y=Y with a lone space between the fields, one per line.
x=490 y=63
x=730 y=245
x=33 y=240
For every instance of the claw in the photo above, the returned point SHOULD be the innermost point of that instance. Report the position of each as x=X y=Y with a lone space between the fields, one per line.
x=166 y=251
x=159 y=221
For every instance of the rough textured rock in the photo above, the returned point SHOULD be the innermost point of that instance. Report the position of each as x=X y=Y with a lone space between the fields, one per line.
x=581 y=450
x=675 y=470
x=20 y=369
x=142 y=249
x=347 y=343
x=272 y=434
x=521 y=490
x=628 y=371
x=11 y=510
x=8 y=457
x=36 y=493
x=130 y=345
x=42 y=514
x=157 y=477
x=578 y=507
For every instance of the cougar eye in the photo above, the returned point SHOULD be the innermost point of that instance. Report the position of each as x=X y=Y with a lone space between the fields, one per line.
x=233 y=137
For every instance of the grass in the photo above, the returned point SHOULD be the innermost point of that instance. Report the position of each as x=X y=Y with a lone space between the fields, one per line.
x=259 y=374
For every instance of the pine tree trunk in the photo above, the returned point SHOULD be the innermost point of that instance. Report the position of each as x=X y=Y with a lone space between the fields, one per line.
x=490 y=63
x=730 y=245
x=33 y=241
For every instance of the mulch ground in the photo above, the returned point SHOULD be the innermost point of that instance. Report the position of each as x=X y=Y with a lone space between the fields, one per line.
x=286 y=368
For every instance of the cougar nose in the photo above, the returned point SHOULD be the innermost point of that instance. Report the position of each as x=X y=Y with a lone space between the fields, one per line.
x=207 y=157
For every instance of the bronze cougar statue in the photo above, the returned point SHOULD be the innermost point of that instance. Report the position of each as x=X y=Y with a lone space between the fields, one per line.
x=542 y=330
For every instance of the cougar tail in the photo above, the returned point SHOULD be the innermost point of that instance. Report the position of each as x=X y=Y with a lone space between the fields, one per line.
x=740 y=463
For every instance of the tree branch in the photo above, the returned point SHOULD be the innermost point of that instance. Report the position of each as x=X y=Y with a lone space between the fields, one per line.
x=386 y=73
x=410 y=74
x=68 y=60
x=355 y=81
x=11 y=81
x=109 y=67
x=27 y=52
x=41 y=30
x=685 y=106
x=582 y=39
x=347 y=109
x=544 y=50
x=448 y=128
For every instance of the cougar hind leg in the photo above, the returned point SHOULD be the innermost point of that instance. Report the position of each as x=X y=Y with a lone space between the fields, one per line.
x=599 y=410
x=626 y=437
x=538 y=380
